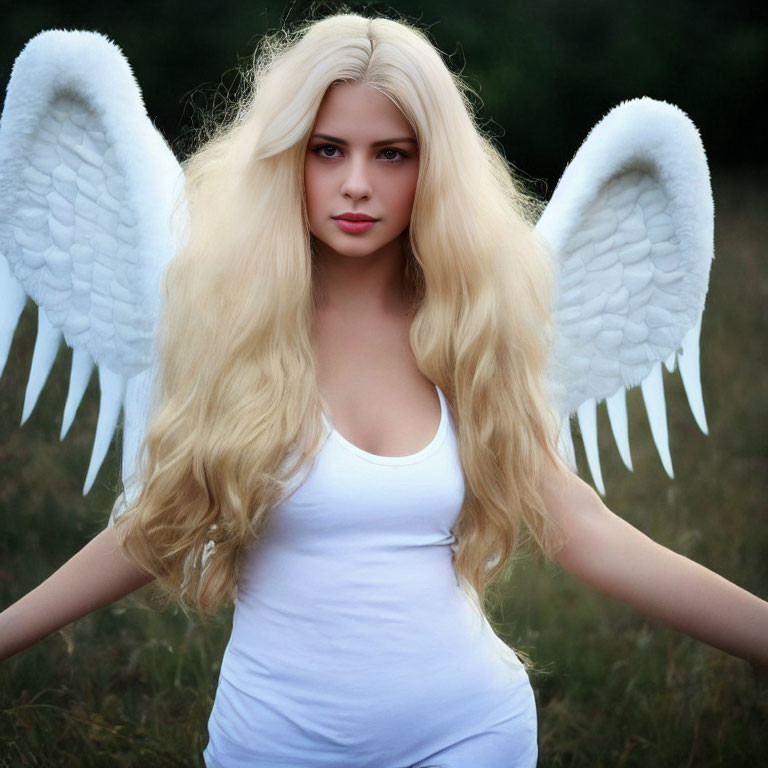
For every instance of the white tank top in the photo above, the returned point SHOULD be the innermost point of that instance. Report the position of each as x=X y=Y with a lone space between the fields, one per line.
x=352 y=643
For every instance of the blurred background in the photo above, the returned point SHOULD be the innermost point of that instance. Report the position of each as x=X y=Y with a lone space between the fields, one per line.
x=132 y=685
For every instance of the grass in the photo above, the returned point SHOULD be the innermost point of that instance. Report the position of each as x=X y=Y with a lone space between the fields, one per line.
x=131 y=686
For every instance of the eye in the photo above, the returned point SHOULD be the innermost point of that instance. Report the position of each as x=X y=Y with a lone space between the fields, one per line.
x=326 y=151
x=390 y=153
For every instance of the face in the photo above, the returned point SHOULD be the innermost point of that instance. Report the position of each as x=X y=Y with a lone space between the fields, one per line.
x=360 y=172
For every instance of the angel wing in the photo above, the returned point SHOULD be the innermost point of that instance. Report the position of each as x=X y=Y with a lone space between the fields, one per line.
x=87 y=187
x=631 y=226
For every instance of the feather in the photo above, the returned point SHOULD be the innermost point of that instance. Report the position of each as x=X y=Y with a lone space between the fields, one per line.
x=691 y=375
x=46 y=348
x=617 y=415
x=79 y=376
x=11 y=307
x=587 y=415
x=653 y=396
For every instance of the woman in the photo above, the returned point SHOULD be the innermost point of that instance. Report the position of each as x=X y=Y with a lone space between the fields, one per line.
x=351 y=426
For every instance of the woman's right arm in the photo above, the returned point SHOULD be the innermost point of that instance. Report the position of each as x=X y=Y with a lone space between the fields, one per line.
x=99 y=574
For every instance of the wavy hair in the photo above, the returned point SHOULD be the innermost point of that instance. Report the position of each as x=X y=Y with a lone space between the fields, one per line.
x=237 y=413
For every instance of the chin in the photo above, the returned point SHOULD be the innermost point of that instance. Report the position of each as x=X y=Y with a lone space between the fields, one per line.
x=359 y=249
x=357 y=253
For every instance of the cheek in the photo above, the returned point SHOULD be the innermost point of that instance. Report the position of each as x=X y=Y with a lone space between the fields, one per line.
x=404 y=196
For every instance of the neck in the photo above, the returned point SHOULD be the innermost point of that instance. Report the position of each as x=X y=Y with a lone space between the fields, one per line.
x=360 y=285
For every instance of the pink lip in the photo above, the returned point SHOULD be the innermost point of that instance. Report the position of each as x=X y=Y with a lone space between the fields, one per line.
x=349 y=216
x=354 y=223
x=354 y=227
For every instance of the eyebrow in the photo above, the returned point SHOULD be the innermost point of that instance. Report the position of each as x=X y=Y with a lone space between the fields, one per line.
x=335 y=140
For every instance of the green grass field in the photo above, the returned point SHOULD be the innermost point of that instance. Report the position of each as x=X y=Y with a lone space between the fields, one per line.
x=132 y=686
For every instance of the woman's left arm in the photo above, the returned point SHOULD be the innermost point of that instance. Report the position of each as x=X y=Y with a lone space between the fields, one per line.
x=613 y=557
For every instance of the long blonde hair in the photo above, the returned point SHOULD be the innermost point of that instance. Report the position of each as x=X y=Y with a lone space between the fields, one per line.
x=237 y=413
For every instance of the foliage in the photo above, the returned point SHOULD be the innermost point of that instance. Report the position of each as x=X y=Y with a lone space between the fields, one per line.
x=544 y=71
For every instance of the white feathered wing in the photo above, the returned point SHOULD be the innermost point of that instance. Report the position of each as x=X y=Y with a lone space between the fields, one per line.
x=87 y=188
x=631 y=227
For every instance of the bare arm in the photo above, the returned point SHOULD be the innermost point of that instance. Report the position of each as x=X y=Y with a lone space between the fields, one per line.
x=610 y=555
x=99 y=574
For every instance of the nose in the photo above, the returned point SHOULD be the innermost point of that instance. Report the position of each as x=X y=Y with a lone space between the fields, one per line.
x=356 y=184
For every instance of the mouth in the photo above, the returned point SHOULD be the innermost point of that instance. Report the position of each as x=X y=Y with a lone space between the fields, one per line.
x=354 y=223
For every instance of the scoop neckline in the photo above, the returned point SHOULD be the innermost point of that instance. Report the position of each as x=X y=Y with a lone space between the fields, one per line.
x=410 y=458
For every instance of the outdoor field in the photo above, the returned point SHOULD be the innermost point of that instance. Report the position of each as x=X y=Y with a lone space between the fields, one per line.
x=133 y=684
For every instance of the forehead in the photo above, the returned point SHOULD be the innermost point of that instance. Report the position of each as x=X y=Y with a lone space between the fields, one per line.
x=359 y=111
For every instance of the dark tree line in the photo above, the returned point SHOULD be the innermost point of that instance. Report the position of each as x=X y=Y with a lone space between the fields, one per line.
x=544 y=72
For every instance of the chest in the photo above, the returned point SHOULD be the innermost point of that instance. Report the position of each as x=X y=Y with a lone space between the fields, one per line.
x=375 y=395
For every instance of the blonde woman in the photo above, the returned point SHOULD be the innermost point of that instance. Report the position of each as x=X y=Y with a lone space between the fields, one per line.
x=351 y=428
